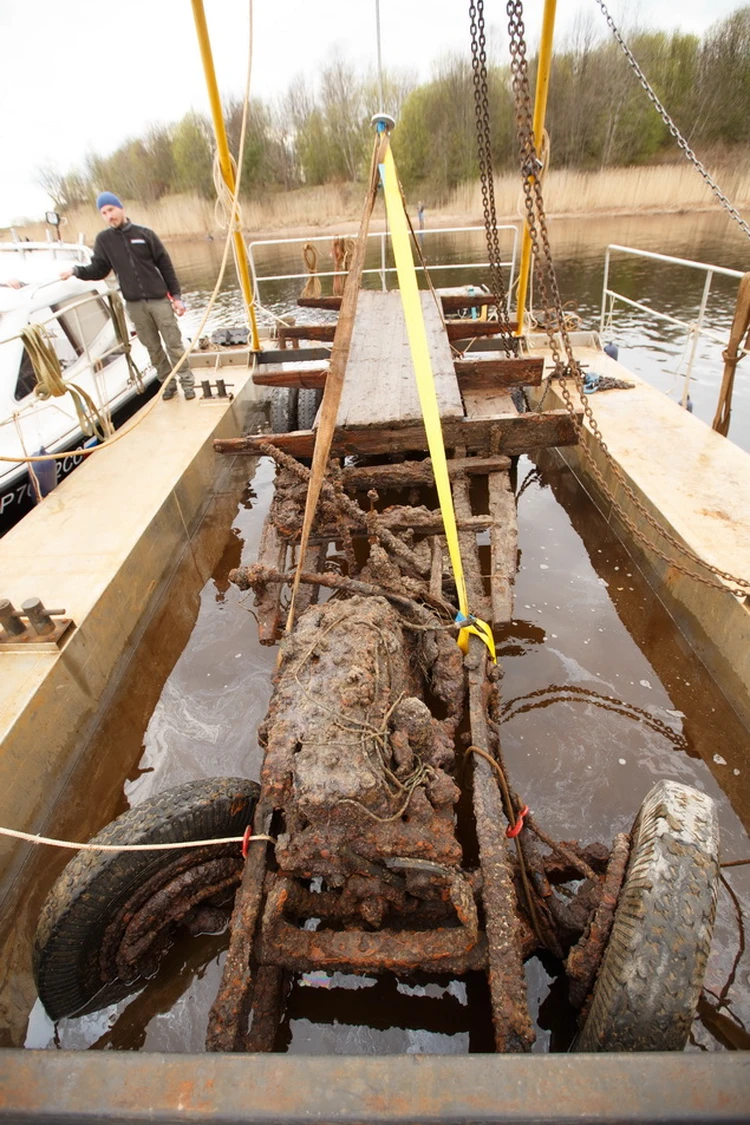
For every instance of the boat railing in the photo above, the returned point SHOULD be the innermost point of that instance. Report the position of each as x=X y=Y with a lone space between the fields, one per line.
x=694 y=328
x=383 y=271
x=21 y=249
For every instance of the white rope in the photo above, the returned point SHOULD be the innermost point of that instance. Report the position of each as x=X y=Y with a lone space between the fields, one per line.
x=33 y=839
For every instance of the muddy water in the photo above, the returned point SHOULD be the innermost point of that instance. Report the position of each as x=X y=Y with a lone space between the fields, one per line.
x=602 y=697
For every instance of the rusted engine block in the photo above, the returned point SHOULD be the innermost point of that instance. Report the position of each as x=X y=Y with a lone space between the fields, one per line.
x=357 y=764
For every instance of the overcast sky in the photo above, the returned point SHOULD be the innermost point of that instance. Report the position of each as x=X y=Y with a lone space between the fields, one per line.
x=81 y=76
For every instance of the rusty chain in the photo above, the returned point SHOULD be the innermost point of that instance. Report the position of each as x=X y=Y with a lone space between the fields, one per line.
x=683 y=144
x=555 y=324
x=484 y=156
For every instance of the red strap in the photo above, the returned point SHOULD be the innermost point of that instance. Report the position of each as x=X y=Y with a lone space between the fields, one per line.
x=512 y=830
x=246 y=840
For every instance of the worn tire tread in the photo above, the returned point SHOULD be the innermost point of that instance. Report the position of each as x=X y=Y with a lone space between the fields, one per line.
x=283 y=410
x=86 y=895
x=648 y=984
x=308 y=402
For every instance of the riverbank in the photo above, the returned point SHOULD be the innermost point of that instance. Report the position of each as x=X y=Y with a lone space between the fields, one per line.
x=670 y=188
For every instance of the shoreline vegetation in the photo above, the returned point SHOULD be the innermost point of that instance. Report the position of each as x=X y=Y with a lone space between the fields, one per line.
x=652 y=189
x=306 y=154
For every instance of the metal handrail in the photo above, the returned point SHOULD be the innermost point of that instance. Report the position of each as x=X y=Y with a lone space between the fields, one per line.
x=694 y=328
x=381 y=270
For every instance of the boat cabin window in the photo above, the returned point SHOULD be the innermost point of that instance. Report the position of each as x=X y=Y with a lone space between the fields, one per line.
x=83 y=323
x=65 y=348
x=26 y=378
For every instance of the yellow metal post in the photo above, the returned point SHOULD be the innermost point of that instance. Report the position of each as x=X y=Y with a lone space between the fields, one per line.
x=225 y=162
x=540 y=109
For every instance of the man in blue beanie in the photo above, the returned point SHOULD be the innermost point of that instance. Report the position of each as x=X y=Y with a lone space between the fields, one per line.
x=149 y=286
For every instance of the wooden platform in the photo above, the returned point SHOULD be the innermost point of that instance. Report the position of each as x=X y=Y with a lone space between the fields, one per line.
x=380 y=388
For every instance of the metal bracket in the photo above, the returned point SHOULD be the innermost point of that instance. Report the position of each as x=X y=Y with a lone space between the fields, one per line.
x=220 y=389
x=38 y=630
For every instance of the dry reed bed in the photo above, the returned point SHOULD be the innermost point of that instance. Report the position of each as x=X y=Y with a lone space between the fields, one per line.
x=642 y=189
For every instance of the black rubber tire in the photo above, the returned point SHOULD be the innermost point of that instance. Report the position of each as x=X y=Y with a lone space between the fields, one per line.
x=283 y=410
x=650 y=978
x=307 y=407
x=95 y=885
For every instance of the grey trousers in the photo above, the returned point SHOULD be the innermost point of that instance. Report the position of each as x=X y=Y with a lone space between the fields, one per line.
x=156 y=326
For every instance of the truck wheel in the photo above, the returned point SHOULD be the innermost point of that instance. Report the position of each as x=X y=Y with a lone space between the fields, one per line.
x=283 y=410
x=647 y=988
x=111 y=916
x=307 y=407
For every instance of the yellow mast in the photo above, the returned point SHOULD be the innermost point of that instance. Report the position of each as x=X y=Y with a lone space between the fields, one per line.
x=225 y=163
x=540 y=109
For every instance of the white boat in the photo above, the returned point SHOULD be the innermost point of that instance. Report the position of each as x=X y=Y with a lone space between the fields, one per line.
x=104 y=373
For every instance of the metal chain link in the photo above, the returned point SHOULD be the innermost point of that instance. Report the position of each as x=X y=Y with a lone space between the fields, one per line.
x=571 y=693
x=670 y=123
x=484 y=154
x=555 y=323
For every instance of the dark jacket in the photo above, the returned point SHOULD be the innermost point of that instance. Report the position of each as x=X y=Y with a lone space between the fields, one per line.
x=143 y=267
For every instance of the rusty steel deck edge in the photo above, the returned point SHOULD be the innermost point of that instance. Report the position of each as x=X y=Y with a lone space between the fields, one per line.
x=70 y=1087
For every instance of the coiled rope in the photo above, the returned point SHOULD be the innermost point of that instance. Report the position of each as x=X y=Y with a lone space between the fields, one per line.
x=50 y=382
x=312 y=285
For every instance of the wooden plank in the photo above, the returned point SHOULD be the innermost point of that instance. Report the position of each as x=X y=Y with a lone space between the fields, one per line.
x=271 y=553
x=410 y=474
x=510 y=1015
x=491 y=344
x=471 y=329
x=333 y=303
x=467 y=540
x=312 y=377
x=510 y=434
x=503 y=547
x=380 y=387
x=491 y=374
x=451 y=302
x=307 y=332
x=300 y=355
x=488 y=404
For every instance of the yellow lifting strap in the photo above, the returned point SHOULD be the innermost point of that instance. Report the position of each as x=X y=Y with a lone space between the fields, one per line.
x=420 y=354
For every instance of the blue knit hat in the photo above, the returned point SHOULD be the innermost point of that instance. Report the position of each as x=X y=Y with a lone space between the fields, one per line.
x=107 y=198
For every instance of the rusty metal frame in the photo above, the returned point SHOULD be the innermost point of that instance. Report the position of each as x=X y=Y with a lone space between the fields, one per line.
x=68 y=1087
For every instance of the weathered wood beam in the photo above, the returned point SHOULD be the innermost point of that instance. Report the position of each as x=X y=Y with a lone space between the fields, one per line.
x=510 y=434
x=307 y=332
x=451 y=302
x=420 y=521
x=271 y=553
x=510 y=1012
x=503 y=547
x=299 y=355
x=470 y=329
x=414 y=474
x=333 y=303
x=472 y=374
x=312 y=377
x=469 y=346
x=467 y=539
x=487 y=374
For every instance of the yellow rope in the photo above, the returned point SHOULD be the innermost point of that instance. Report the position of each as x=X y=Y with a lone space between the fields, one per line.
x=117 y=312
